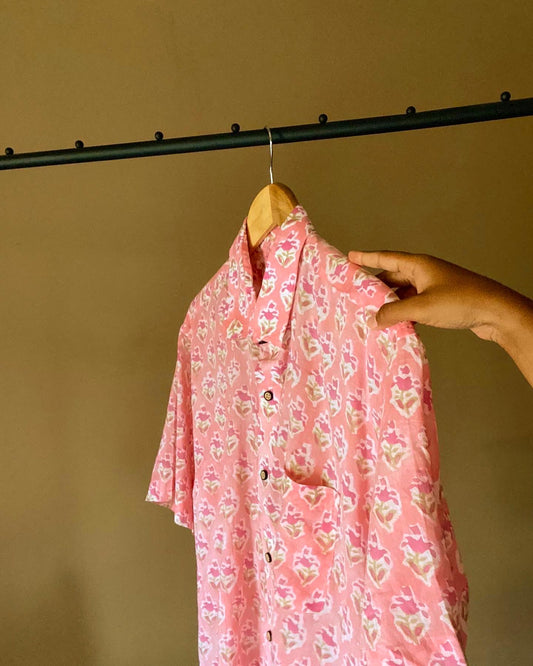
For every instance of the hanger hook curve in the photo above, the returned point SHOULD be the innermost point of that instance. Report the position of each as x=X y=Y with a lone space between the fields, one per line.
x=271 y=155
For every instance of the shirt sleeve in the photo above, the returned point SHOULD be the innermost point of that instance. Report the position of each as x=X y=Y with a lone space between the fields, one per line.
x=416 y=588
x=172 y=480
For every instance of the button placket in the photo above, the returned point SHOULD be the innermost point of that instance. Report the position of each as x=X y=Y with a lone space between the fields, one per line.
x=268 y=408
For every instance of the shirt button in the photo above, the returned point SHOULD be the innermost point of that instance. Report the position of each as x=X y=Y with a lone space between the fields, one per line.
x=264 y=474
x=269 y=635
x=268 y=395
x=268 y=557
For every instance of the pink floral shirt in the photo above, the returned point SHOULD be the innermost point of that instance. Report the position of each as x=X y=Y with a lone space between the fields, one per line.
x=300 y=448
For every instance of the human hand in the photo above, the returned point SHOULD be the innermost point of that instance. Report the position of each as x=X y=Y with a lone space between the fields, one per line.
x=435 y=292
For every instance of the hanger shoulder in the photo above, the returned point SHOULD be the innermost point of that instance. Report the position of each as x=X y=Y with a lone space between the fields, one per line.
x=269 y=209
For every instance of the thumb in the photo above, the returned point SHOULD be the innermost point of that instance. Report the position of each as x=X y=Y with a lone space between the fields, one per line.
x=407 y=309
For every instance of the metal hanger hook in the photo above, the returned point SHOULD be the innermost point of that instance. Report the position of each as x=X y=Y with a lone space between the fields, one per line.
x=271 y=155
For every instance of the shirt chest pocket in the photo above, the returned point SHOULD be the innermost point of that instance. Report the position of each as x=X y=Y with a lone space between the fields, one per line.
x=307 y=540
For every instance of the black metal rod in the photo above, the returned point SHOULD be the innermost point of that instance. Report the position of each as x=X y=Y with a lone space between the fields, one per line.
x=323 y=130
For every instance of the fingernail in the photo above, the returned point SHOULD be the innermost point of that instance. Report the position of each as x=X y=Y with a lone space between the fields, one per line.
x=371 y=321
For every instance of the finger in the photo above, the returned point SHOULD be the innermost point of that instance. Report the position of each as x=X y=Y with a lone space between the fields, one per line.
x=393 y=279
x=397 y=262
x=409 y=309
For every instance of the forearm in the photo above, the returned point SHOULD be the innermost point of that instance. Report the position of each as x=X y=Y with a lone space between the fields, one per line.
x=514 y=330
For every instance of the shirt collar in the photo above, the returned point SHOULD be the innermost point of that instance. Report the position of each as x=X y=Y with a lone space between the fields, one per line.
x=266 y=317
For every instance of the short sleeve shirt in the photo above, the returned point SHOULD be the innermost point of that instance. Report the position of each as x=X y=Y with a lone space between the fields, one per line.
x=300 y=448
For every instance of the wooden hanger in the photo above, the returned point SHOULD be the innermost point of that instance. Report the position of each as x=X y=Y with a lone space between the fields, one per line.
x=270 y=207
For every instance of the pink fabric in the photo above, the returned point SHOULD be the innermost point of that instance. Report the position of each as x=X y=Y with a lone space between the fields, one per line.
x=344 y=554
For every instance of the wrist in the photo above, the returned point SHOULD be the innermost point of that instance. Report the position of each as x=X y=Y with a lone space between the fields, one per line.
x=512 y=320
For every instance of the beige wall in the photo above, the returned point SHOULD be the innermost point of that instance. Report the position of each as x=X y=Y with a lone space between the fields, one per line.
x=100 y=261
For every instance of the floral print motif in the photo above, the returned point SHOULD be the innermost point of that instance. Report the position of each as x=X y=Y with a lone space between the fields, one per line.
x=300 y=448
